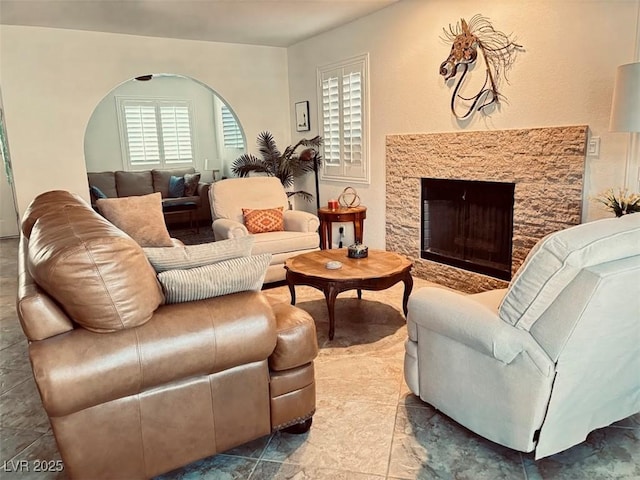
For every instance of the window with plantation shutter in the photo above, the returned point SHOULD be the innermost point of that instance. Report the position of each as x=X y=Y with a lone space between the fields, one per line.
x=176 y=134
x=343 y=98
x=142 y=134
x=231 y=132
x=331 y=120
x=155 y=133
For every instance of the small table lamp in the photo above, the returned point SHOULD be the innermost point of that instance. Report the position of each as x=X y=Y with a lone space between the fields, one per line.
x=625 y=115
x=214 y=171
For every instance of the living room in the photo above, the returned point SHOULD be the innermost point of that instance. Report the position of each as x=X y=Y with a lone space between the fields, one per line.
x=53 y=79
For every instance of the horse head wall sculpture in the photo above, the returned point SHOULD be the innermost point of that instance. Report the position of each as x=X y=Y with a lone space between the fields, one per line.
x=498 y=52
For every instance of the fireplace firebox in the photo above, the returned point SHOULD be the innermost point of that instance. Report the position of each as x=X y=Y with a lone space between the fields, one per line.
x=468 y=224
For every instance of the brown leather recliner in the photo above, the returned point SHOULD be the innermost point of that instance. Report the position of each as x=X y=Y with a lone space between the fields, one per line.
x=132 y=387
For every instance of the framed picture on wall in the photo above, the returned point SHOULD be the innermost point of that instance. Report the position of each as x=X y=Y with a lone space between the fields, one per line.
x=302 y=117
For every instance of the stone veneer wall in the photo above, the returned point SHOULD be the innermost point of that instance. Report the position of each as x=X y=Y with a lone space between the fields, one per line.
x=546 y=165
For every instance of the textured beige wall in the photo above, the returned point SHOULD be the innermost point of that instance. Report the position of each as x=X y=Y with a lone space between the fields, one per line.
x=546 y=165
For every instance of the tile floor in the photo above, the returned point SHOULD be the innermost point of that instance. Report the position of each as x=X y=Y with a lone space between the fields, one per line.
x=367 y=426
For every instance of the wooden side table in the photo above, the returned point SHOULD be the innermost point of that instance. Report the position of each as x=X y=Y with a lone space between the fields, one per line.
x=342 y=214
x=185 y=207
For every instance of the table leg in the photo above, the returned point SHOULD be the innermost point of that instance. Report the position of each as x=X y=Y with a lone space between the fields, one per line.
x=330 y=294
x=358 y=230
x=329 y=243
x=359 y=294
x=323 y=241
x=292 y=290
x=408 y=286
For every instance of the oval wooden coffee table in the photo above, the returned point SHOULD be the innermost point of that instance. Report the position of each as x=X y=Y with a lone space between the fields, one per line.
x=378 y=271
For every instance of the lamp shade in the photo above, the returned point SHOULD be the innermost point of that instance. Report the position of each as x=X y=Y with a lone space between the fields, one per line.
x=625 y=109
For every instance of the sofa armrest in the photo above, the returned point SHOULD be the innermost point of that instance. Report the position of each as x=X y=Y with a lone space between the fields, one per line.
x=299 y=221
x=297 y=343
x=203 y=189
x=223 y=229
x=80 y=369
x=465 y=320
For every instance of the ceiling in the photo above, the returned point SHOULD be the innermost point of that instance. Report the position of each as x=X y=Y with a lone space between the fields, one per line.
x=278 y=23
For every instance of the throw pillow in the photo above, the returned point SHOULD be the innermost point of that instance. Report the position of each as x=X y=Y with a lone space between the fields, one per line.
x=176 y=187
x=96 y=192
x=222 y=278
x=191 y=181
x=190 y=256
x=262 y=221
x=140 y=217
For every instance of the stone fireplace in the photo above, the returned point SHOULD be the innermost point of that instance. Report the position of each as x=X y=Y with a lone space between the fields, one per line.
x=545 y=166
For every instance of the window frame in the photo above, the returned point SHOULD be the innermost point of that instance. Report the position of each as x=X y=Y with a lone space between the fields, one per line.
x=344 y=171
x=157 y=102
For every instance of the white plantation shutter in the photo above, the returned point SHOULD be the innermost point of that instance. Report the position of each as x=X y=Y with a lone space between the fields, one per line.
x=155 y=132
x=176 y=134
x=342 y=91
x=231 y=132
x=331 y=120
x=142 y=134
x=352 y=117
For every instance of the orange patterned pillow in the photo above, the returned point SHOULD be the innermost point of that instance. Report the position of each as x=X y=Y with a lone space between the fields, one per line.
x=261 y=221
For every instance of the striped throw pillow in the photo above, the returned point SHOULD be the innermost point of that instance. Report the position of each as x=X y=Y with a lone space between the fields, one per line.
x=191 y=256
x=222 y=278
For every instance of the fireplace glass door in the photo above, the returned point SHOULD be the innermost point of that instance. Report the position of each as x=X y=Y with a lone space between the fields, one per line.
x=468 y=224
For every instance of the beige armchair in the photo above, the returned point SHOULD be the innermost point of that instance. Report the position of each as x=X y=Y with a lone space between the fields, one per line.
x=228 y=198
x=541 y=364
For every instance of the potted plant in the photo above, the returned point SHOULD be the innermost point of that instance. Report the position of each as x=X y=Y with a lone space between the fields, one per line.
x=620 y=203
x=287 y=165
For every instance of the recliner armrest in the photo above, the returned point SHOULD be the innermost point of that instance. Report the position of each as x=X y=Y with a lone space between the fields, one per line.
x=299 y=221
x=223 y=229
x=469 y=322
x=203 y=189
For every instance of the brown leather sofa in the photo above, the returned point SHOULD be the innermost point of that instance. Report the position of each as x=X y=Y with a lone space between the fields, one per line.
x=143 y=182
x=133 y=387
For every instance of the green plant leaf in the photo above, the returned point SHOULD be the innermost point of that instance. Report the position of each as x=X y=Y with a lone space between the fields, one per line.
x=286 y=166
x=247 y=163
x=267 y=147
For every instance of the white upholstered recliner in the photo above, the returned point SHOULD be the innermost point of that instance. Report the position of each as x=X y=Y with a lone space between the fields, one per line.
x=543 y=363
x=228 y=198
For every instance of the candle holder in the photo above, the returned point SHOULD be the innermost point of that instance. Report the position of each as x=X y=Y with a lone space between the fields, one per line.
x=357 y=250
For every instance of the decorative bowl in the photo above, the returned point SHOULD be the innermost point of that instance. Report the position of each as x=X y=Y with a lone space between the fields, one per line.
x=357 y=250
